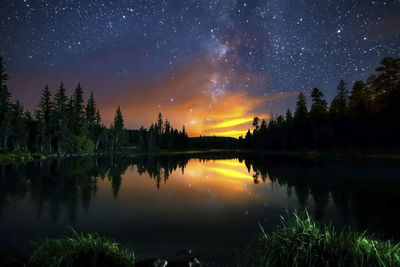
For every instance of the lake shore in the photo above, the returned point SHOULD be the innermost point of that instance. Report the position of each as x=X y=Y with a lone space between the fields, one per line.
x=354 y=156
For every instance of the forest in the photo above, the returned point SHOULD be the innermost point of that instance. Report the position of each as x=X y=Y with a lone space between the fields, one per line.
x=65 y=125
x=368 y=117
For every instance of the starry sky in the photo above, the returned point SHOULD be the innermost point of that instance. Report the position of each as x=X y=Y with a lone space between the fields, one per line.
x=211 y=65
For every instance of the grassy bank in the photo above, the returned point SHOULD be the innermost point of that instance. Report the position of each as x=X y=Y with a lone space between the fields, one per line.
x=299 y=241
x=8 y=158
x=81 y=250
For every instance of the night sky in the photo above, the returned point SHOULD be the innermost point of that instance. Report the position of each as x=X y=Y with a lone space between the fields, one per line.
x=211 y=65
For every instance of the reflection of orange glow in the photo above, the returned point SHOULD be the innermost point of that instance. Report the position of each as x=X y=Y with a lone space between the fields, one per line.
x=233 y=163
x=219 y=174
x=202 y=184
x=231 y=173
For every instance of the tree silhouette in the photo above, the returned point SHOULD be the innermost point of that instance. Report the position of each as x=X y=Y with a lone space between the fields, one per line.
x=43 y=113
x=339 y=103
x=5 y=107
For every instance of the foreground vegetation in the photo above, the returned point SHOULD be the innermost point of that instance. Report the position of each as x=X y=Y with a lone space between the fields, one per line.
x=81 y=250
x=299 y=241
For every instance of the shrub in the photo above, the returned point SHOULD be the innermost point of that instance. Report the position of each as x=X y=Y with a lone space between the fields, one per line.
x=300 y=242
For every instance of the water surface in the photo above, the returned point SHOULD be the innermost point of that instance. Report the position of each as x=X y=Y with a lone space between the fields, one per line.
x=211 y=203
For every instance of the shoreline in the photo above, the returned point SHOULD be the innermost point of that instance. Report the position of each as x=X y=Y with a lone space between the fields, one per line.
x=298 y=241
x=384 y=157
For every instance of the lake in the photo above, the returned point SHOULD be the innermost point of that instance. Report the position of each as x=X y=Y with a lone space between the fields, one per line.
x=212 y=203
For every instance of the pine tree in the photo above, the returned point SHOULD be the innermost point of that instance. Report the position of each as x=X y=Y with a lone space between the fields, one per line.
x=60 y=99
x=19 y=127
x=45 y=106
x=319 y=106
x=78 y=111
x=118 y=128
x=301 y=109
x=98 y=130
x=301 y=122
x=357 y=101
x=340 y=102
x=256 y=120
x=167 y=126
x=160 y=123
x=90 y=115
x=60 y=114
x=5 y=107
x=389 y=76
x=44 y=110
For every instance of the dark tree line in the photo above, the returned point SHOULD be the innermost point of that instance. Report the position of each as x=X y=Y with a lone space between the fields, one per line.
x=62 y=124
x=59 y=124
x=160 y=136
x=366 y=117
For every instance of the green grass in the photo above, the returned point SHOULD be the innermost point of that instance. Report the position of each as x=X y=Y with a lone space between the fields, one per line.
x=299 y=241
x=81 y=250
x=6 y=158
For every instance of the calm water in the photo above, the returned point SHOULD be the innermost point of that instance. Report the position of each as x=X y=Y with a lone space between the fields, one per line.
x=209 y=203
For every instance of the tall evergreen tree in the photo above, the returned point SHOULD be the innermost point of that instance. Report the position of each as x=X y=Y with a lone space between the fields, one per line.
x=5 y=107
x=301 y=109
x=340 y=102
x=44 y=106
x=118 y=128
x=357 y=100
x=160 y=123
x=301 y=121
x=90 y=115
x=319 y=106
x=98 y=130
x=78 y=111
x=44 y=110
x=256 y=120
x=389 y=74
x=19 y=127
x=60 y=113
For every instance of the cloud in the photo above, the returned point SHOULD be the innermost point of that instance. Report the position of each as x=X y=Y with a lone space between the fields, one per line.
x=191 y=96
x=204 y=93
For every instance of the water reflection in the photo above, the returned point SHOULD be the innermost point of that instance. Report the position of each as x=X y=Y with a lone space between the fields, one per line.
x=212 y=193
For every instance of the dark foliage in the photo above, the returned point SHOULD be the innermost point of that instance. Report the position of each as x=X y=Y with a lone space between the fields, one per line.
x=160 y=136
x=367 y=118
x=65 y=125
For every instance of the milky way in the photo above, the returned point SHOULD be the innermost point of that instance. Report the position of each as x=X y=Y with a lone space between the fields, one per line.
x=254 y=49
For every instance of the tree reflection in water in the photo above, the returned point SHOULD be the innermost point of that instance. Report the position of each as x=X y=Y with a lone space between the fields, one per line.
x=368 y=194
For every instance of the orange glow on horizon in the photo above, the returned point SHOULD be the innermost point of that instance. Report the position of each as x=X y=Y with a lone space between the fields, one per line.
x=190 y=97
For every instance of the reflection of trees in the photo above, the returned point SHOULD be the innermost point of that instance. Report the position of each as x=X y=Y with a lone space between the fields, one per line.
x=369 y=193
x=62 y=184
x=160 y=168
x=12 y=188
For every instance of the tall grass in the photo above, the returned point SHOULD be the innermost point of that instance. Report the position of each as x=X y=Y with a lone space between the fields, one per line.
x=81 y=250
x=300 y=242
